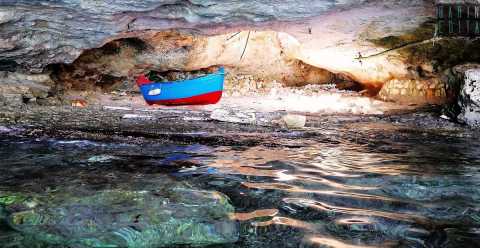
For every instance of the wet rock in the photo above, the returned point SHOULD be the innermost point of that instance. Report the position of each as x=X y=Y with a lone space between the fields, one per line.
x=369 y=228
x=461 y=237
x=101 y=159
x=231 y=115
x=10 y=239
x=3 y=214
x=430 y=189
x=469 y=99
x=245 y=116
x=160 y=216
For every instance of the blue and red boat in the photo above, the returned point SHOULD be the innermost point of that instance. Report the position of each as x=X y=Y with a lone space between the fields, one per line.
x=198 y=91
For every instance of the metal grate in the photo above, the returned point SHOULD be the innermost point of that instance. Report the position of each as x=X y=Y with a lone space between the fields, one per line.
x=458 y=18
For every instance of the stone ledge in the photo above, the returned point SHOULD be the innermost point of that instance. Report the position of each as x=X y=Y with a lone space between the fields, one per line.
x=414 y=91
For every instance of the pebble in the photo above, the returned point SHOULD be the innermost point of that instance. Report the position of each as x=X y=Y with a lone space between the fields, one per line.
x=294 y=121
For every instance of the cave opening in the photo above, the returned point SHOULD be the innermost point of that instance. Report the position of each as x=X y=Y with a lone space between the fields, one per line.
x=113 y=68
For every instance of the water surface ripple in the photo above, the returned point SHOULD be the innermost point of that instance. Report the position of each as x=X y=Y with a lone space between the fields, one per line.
x=350 y=186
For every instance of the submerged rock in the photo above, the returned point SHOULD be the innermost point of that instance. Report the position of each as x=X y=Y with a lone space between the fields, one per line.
x=10 y=239
x=3 y=214
x=5 y=129
x=101 y=159
x=171 y=215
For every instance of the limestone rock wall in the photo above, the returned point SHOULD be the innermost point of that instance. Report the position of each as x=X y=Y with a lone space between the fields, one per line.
x=126 y=58
x=17 y=88
x=89 y=43
x=35 y=34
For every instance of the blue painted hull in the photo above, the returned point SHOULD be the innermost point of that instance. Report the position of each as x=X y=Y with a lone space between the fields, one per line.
x=202 y=90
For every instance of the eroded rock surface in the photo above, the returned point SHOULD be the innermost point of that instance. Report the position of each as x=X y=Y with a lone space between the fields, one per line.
x=469 y=99
x=37 y=33
x=413 y=91
x=18 y=88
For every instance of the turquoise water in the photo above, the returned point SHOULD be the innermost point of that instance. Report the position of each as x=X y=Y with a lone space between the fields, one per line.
x=355 y=185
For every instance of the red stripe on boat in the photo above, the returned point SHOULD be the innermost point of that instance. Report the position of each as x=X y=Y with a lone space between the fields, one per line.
x=143 y=80
x=209 y=98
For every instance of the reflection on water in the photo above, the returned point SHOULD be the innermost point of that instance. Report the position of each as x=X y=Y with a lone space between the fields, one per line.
x=352 y=186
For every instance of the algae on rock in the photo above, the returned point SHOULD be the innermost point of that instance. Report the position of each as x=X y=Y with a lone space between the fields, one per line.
x=122 y=217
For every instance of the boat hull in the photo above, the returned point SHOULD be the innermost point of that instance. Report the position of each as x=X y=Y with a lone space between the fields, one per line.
x=205 y=99
x=199 y=91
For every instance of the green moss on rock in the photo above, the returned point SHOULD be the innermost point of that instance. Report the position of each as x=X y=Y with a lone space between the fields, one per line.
x=424 y=32
x=444 y=53
x=122 y=217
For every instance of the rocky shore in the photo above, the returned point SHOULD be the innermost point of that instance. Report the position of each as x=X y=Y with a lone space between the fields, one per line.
x=217 y=127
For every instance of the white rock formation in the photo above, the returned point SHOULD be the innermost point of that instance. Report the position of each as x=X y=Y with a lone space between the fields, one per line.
x=469 y=99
